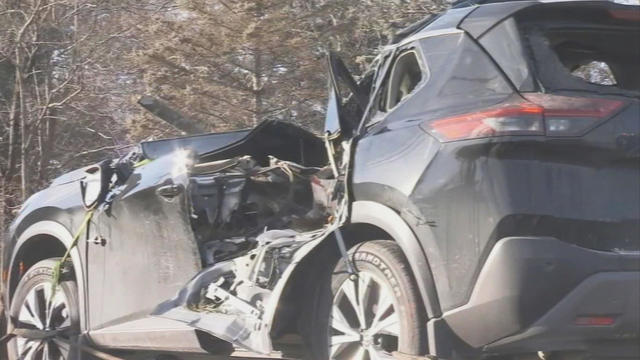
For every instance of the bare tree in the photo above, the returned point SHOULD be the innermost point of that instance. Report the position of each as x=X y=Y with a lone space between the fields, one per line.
x=50 y=89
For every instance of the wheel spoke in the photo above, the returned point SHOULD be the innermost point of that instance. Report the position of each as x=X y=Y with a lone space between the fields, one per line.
x=48 y=304
x=41 y=301
x=344 y=339
x=30 y=350
x=26 y=317
x=389 y=325
x=34 y=308
x=385 y=303
x=350 y=291
x=46 y=351
x=361 y=354
x=63 y=349
x=333 y=350
x=20 y=344
x=364 y=287
x=56 y=303
x=339 y=322
x=24 y=346
x=345 y=348
x=56 y=306
x=58 y=316
x=55 y=353
x=30 y=311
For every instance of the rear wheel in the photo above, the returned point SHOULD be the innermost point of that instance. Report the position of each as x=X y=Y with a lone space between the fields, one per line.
x=36 y=306
x=372 y=314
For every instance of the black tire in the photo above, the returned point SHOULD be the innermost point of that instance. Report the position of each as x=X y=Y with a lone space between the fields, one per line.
x=384 y=261
x=39 y=275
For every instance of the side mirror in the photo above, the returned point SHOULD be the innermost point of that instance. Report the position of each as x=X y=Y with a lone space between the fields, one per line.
x=93 y=187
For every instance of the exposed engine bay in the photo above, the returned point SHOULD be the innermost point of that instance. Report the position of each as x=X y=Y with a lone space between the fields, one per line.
x=236 y=201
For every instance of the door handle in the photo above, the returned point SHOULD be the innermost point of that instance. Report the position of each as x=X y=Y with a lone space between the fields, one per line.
x=169 y=191
x=98 y=240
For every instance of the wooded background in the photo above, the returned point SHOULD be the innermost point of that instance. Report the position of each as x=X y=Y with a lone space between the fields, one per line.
x=71 y=71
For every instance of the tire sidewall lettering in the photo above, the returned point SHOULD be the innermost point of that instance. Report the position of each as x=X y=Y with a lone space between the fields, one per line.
x=38 y=272
x=377 y=262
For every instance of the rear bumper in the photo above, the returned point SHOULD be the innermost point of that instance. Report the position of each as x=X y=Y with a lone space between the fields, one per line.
x=614 y=294
x=531 y=290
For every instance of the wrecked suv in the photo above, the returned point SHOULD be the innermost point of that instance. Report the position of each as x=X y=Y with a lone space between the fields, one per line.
x=475 y=194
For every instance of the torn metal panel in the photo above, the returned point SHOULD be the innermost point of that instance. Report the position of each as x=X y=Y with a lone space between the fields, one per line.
x=239 y=305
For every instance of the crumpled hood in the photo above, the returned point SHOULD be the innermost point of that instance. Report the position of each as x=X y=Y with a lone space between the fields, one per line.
x=71 y=176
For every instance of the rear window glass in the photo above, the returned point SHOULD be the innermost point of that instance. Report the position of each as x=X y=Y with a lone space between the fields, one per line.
x=586 y=48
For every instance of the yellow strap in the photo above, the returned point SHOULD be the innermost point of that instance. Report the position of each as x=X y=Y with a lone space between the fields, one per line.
x=74 y=242
x=141 y=163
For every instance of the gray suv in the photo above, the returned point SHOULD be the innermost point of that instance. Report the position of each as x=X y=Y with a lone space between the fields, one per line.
x=475 y=194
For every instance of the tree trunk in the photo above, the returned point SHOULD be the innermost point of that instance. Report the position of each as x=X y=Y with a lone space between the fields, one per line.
x=3 y=207
x=257 y=87
x=257 y=67
x=13 y=127
x=47 y=138
x=24 y=163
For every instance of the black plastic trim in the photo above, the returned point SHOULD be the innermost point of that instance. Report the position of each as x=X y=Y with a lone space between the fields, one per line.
x=522 y=279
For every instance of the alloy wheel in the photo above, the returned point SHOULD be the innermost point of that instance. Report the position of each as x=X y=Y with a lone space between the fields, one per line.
x=43 y=309
x=364 y=323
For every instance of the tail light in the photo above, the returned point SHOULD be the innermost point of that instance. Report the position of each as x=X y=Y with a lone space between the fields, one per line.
x=572 y=116
x=538 y=114
x=633 y=15
x=595 y=320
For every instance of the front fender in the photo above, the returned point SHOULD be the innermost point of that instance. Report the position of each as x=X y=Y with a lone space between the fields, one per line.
x=383 y=217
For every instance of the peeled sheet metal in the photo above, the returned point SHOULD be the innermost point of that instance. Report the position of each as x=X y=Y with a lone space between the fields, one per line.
x=232 y=323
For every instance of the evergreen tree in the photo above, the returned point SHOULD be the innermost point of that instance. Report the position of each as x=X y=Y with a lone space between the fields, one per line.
x=234 y=64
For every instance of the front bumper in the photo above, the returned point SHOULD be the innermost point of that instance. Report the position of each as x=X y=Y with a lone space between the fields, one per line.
x=531 y=290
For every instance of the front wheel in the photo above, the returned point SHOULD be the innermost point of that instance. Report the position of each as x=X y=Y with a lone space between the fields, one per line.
x=370 y=315
x=36 y=306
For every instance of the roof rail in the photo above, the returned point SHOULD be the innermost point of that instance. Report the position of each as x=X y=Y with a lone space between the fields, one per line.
x=415 y=27
x=466 y=3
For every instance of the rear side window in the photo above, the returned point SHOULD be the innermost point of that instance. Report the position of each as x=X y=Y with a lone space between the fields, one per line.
x=405 y=77
x=586 y=48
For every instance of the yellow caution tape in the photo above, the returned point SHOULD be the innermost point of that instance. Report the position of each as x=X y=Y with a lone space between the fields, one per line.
x=141 y=163
x=57 y=267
